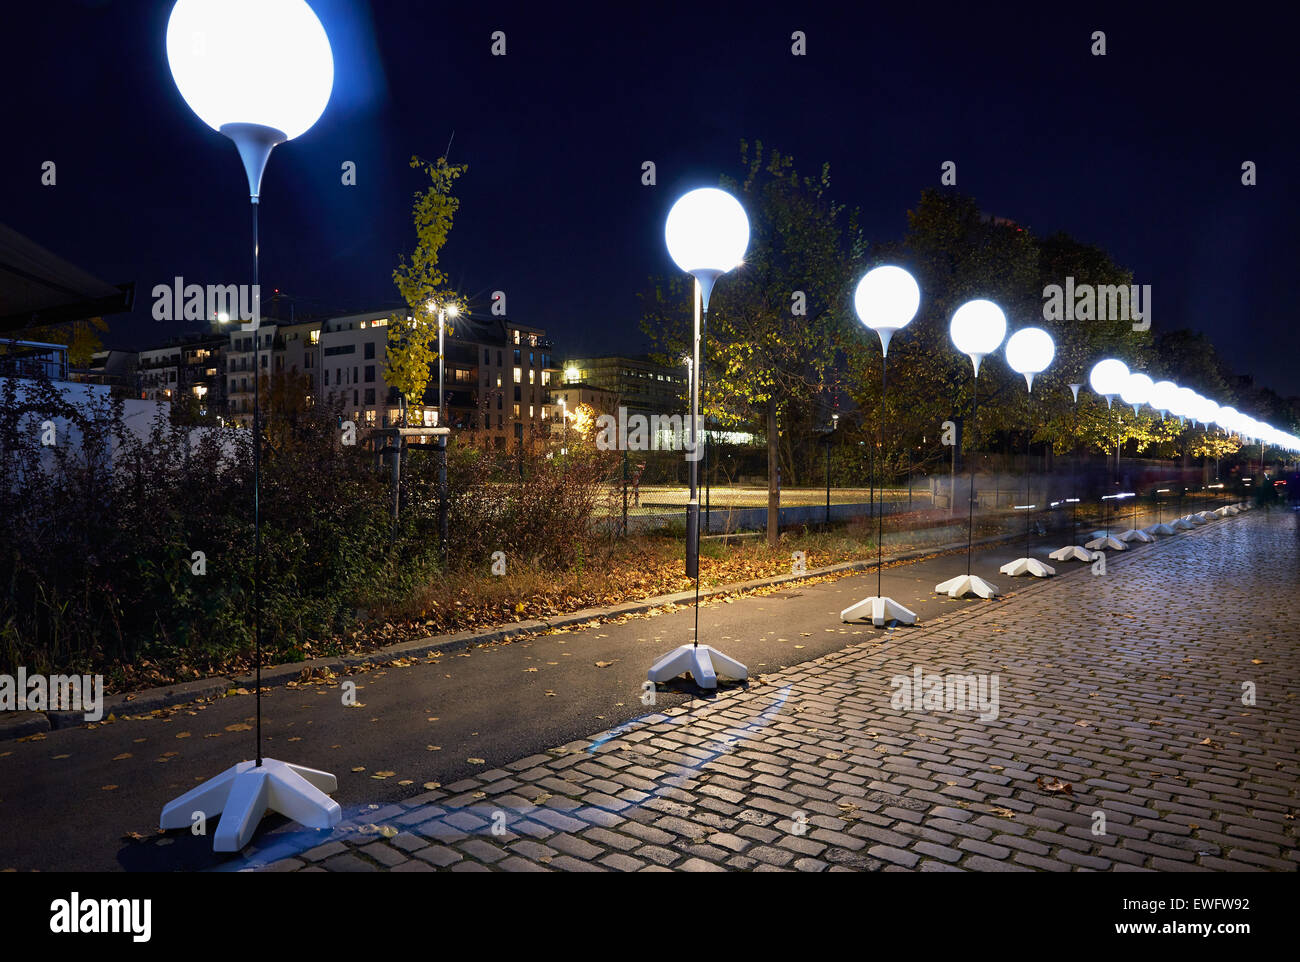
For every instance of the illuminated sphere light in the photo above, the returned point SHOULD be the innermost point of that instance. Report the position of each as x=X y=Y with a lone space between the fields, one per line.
x=886 y=300
x=1163 y=394
x=1226 y=418
x=1029 y=352
x=977 y=329
x=1136 y=390
x=1206 y=410
x=263 y=62
x=1108 y=377
x=707 y=231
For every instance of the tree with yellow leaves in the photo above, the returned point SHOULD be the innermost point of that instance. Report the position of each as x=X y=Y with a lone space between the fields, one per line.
x=412 y=335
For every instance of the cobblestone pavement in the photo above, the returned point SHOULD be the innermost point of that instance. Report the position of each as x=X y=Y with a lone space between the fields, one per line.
x=1124 y=739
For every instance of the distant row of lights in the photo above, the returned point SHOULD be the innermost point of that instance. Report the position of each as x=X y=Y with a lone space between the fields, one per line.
x=1111 y=378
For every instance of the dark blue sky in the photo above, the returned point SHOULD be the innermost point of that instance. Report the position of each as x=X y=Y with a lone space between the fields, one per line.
x=1138 y=152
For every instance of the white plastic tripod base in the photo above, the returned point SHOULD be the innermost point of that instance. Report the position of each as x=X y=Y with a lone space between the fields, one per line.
x=879 y=611
x=1108 y=543
x=702 y=663
x=1160 y=529
x=1071 y=552
x=964 y=585
x=243 y=793
x=1136 y=534
x=1027 y=566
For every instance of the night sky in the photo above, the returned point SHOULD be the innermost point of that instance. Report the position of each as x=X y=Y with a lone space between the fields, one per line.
x=1139 y=151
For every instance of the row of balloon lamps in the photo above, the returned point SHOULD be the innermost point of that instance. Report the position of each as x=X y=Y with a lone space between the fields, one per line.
x=1111 y=378
x=707 y=234
x=261 y=73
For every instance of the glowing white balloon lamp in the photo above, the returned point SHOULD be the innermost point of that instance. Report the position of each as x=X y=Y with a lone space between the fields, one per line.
x=1108 y=378
x=707 y=233
x=1203 y=411
x=1179 y=405
x=886 y=300
x=260 y=72
x=1163 y=396
x=1029 y=351
x=1072 y=551
x=977 y=329
x=1136 y=391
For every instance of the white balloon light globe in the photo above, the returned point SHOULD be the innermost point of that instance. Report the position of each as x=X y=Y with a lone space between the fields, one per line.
x=1163 y=396
x=1136 y=390
x=1107 y=378
x=886 y=300
x=1176 y=405
x=707 y=233
x=1206 y=410
x=1029 y=352
x=977 y=328
x=262 y=62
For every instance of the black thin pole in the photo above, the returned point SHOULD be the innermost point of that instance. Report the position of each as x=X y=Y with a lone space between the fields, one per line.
x=698 y=373
x=828 y=481
x=257 y=477
x=970 y=520
x=880 y=518
x=1028 y=437
x=1074 y=487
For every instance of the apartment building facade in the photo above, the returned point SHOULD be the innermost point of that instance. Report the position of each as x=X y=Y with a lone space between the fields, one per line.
x=636 y=383
x=241 y=351
x=497 y=375
x=192 y=365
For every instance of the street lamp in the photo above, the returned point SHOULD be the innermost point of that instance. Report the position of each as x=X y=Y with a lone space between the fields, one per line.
x=260 y=72
x=1163 y=397
x=977 y=329
x=1136 y=391
x=835 y=423
x=564 y=430
x=443 y=311
x=1178 y=402
x=1108 y=378
x=886 y=300
x=707 y=232
x=1029 y=352
x=1072 y=551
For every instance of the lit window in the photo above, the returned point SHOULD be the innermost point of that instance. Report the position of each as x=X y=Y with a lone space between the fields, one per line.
x=532 y=376
x=315 y=337
x=543 y=412
x=519 y=379
x=498 y=380
x=516 y=337
x=516 y=410
x=370 y=416
x=530 y=411
x=546 y=377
